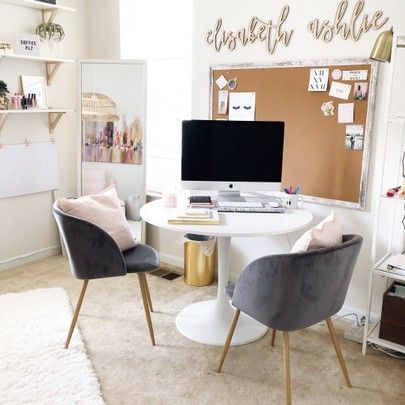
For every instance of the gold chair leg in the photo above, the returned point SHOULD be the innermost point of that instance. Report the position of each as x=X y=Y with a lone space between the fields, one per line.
x=76 y=313
x=147 y=291
x=287 y=375
x=146 y=307
x=228 y=339
x=338 y=351
x=273 y=337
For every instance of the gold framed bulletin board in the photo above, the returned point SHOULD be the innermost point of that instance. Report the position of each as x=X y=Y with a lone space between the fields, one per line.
x=327 y=158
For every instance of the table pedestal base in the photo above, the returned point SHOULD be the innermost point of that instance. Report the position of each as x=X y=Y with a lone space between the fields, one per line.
x=208 y=322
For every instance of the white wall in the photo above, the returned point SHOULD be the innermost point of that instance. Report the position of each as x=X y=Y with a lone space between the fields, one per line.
x=236 y=14
x=26 y=223
x=103 y=27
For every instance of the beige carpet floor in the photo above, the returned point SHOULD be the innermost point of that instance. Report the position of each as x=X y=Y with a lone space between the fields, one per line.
x=178 y=371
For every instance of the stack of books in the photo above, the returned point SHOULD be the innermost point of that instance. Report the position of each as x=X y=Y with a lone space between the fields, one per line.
x=194 y=216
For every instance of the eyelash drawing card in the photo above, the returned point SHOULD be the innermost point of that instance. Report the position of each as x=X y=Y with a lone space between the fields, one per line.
x=242 y=106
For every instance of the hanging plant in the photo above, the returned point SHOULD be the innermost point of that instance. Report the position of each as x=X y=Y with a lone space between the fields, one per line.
x=3 y=95
x=50 y=31
x=3 y=88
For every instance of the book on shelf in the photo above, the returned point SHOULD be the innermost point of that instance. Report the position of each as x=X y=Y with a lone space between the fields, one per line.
x=204 y=217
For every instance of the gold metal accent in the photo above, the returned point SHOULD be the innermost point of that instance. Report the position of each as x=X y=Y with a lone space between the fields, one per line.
x=338 y=351
x=199 y=269
x=142 y=281
x=287 y=373
x=53 y=119
x=228 y=340
x=76 y=314
x=273 y=337
x=3 y=118
x=48 y=16
x=383 y=47
x=51 y=69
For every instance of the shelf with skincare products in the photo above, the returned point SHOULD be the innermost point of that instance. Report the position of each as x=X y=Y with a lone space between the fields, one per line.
x=52 y=64
x=49 y=11
x=54 y=115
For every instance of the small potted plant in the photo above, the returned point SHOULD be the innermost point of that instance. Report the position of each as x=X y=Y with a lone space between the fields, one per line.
x=3 y=95
x=51 y=33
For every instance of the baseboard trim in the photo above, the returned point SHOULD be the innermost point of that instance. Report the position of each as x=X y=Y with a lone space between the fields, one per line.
x=172 y=260
x=29 y=257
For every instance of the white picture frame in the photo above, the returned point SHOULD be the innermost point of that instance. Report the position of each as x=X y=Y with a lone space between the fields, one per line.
x=36 y=85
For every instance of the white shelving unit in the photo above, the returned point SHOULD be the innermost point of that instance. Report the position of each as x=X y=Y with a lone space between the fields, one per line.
x=52 y=65
x=49 y=11
x=54 y=115
x=372 y=330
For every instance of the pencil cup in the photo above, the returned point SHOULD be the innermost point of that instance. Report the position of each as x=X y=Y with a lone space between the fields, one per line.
x=291 y=200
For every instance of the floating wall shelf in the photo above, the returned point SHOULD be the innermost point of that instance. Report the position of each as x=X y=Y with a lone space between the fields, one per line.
x=49 y=11
x=54 y=115
x=52 y=64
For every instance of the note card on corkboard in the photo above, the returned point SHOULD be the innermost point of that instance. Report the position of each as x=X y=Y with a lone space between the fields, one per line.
x=315 y=148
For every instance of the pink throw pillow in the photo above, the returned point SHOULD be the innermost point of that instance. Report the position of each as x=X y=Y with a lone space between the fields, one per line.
x=103 y=210
x=327 y=233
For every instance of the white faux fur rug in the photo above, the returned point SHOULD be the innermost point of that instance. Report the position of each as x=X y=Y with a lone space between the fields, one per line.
x=34 y=366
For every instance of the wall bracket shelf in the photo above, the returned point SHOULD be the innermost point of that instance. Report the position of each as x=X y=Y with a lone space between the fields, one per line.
x=54 y=116
x=49 y=11
x=51 y=64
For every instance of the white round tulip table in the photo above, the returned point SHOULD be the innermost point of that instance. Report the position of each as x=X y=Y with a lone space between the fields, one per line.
x=208 y=322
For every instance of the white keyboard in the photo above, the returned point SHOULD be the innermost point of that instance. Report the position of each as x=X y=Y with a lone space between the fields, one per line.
x=240 y=204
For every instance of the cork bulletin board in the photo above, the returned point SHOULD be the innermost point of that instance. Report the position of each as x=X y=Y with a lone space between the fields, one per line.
x=318 y=155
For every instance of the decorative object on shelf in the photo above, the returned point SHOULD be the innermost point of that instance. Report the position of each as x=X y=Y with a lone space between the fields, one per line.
x=50 y=33
x=113 y=142
x=98 y=107
x=5 y=49
x=28 y=44
x=36 y=85
x=3 y=95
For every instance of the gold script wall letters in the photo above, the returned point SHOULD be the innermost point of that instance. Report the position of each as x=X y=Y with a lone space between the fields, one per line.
x=269 y=32
x=327 y=30
x=272 y=33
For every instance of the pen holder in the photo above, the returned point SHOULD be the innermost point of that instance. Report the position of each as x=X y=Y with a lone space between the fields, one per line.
x=291 y=200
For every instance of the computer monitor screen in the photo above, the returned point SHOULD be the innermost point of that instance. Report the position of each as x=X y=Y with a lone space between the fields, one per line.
x=241 y=155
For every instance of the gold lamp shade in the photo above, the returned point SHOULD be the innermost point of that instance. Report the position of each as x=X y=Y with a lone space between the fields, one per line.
x=383 y=47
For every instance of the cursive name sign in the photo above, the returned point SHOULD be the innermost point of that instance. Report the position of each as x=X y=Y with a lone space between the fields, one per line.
x=326 y=30
x=270 y=32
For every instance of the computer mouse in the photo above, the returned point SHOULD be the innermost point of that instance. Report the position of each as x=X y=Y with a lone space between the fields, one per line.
x=273 y=204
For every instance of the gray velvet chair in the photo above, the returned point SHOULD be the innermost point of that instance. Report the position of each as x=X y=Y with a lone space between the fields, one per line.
x=289 y=292
x=93 y=254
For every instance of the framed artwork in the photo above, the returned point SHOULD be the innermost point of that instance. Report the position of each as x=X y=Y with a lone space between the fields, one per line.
x=36 y=85
x=113 y=142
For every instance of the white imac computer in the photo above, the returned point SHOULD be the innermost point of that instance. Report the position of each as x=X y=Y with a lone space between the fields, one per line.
x=232 y=156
